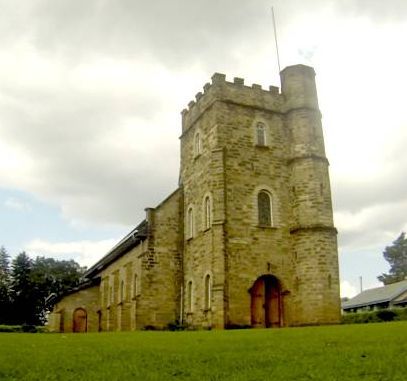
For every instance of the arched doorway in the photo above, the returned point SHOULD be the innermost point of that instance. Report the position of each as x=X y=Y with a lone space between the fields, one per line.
x=80 y=320
x=266 y=302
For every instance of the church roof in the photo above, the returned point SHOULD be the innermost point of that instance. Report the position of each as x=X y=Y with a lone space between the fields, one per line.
x=377 y=295
x=131 y=240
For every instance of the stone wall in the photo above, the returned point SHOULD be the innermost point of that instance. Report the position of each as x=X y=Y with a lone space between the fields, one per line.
x=232 y=168
x=205 y=253
x=61 y=320
x=142 y=288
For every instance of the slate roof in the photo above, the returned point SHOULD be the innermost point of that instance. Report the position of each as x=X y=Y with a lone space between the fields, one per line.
x=131 y=240
x=377 y=295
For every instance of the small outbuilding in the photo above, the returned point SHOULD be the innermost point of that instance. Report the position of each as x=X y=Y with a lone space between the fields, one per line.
x=391 y=295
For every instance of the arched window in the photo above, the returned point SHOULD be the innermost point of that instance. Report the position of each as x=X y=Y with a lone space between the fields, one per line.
x=189 y=297
x=122 y=291
x=135 y=286
x=197 y=144
x=190 y=223
x=264 y=207
x=207 y=212
x=111 y=296
x=208 y=286
x=261 y=134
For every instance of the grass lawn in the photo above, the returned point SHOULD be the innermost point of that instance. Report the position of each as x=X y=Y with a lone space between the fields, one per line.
x=345 y=352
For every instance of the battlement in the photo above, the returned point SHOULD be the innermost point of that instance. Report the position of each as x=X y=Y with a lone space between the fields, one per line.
x=298 y=91
x=235 y=92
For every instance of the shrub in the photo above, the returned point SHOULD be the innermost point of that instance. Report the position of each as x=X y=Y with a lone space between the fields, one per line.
x=10 y=328
x=150 y=328
x=29 y=328
x=238 y=326
x=401 y=313
x=177 y=326
x=375 y=316
x=23 y=328
x=386 y=315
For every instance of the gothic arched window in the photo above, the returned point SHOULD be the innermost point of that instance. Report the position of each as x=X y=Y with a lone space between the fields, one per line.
x=208 y=287
x=261 y=134
x=207 y=212
x=264 y=207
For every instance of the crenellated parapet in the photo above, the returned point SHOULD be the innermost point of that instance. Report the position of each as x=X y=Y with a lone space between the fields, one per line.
x=235 y=92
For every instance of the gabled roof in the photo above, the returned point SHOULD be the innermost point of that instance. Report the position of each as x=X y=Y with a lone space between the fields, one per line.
x=377 y=295
x=87 y=283
x=131 y=240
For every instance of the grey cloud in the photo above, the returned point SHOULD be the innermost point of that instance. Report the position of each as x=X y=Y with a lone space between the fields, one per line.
x=64 y=131
x=388 y=186
x=61 y=127
x=178 y=32
x=377 y=10
x=378 y=231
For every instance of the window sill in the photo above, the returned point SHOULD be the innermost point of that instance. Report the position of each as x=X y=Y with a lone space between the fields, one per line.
x=189 y=239
x=207 y=229
x=266 y=227
x=265 y=147
x=197 y=156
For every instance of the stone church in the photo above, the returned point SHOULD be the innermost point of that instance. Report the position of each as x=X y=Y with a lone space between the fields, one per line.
x=247 y=239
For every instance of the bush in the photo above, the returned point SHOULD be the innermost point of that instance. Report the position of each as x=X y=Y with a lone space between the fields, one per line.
x=29 y=328
x=150 y=328
x=10 y=328
x=177 y=326
x=23 y=328
x=386 y=315
x=375 y=316
x=238 y=326
x=401 y=313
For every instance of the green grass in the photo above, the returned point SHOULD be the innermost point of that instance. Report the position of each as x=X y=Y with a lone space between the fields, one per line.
x=344 y=352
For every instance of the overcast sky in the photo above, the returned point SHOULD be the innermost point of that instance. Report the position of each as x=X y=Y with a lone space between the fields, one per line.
x=91 y=93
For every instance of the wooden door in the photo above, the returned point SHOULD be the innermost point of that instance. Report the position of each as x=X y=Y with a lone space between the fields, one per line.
x=79 y=320
x=272 y=303
x=265 y=302
x=257 y=304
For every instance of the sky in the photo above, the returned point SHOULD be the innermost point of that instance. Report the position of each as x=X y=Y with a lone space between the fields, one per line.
x=90 y=100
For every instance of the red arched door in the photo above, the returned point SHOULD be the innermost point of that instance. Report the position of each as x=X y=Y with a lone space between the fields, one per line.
x=266 y=302
x=80 y=320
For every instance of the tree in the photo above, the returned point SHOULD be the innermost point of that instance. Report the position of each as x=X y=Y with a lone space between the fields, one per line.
x=51 y=277
x=21 y=290
x=396 y=255
x=5 y=303
x=31 y=283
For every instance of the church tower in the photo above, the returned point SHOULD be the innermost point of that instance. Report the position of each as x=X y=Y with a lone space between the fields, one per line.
x=247 y=240
x=259 y=246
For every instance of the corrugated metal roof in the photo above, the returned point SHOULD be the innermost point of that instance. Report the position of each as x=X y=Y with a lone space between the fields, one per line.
x=377 y=295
